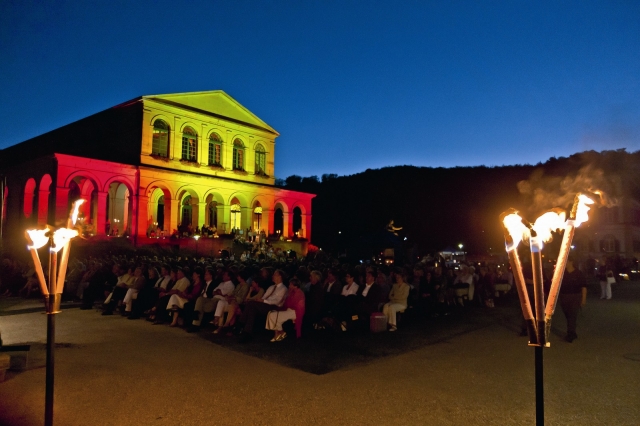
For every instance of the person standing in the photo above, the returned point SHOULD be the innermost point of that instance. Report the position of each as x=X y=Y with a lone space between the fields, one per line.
x=573 y=296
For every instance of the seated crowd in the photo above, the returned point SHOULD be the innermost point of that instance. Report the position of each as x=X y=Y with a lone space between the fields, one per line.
x=287 y=296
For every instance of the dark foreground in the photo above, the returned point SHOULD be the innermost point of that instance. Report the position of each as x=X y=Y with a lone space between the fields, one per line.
x=468 y=368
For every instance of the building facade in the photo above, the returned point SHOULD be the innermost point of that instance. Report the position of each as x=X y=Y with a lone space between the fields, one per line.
x=155 y=165
x=611 y=231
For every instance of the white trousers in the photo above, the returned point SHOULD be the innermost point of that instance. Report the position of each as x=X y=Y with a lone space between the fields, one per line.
x=275 y=319
x=605 y=288
x=390 y=309
x=131 y=295
x=177 y=301
x=221 y=307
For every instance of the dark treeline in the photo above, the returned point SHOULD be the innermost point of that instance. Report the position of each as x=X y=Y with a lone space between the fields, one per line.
x=442 y=207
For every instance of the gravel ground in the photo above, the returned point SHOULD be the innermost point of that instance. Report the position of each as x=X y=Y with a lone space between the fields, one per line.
x=110 y=371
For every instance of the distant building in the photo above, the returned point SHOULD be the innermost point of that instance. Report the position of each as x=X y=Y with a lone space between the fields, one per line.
x=155 y=164
x=611 y=231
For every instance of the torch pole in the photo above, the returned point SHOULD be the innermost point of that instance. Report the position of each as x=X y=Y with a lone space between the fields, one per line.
x=53 y=307
x=538 y=289
x=51 y=338
x=525 y=304
x=561 y=263
x=539 y=385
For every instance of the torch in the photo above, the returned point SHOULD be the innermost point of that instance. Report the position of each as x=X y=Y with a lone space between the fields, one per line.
x=511 y=220
x=516 y=228
x=577 y=215
x=53 y=291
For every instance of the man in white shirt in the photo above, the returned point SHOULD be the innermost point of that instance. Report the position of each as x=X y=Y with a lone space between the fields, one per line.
x=272 y=300
x=350 y=288
x=163 y=281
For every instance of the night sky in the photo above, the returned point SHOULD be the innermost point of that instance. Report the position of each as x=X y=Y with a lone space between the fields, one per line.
x=349 y=85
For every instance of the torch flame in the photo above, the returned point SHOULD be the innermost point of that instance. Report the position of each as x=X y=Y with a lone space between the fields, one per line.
x=549 y=222
x=582 y=214
x=75 y=210
x=38 y=238
x=517 y=229
x=61 y=237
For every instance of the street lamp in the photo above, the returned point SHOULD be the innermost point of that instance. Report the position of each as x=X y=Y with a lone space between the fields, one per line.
x=52 y=288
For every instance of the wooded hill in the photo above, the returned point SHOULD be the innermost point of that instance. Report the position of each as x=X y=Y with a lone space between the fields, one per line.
x=443 y=207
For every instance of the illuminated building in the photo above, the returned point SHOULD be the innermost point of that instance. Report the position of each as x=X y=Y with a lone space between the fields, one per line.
x=153 y=165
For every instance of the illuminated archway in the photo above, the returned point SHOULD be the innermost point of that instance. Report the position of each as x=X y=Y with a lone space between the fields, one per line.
x=278 y=220
x=43 y=199
x=119 y=208
x=159 y=207
x=29 y=200
x=214 y=210
x=236 y=215
x=188 y=210
x=297 y=222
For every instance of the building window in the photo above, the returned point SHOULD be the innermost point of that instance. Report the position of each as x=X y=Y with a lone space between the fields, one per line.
x=238 y=155
x=189 y=145
x=215 y=150
x=611 y=215
x=160 y=144
x=609 y=244
x=261 y=161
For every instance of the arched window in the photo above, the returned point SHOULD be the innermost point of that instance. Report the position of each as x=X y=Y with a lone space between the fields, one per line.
x=609 y=244
x=238 y=155
x=189 y=145
x=160 y=144
x=215 y=150
x=278 y=221
x=235 y=216
x=160 y=213
x=261 y=161
x=29 y=198
x=297 y=221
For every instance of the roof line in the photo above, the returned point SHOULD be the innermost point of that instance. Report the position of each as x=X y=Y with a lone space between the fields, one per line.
x=212 y=114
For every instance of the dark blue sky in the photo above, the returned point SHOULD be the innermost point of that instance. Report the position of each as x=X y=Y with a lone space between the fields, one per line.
x=349 y=85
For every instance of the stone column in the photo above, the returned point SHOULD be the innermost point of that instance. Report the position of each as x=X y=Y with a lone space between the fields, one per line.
x=224 y=219
x=287 y=224
x=172 y=207
x=268 y=221
x=306 y=220
x=43 y=207
x=141 y=214
x=247 y=219
x=62 y=204
x=102 y=213
x=202 y=214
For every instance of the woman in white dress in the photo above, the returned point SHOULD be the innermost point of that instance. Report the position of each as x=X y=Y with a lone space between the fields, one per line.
x=292 y=309
x=180 y=298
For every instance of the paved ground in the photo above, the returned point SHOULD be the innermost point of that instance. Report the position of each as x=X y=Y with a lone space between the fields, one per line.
x=110 y=371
